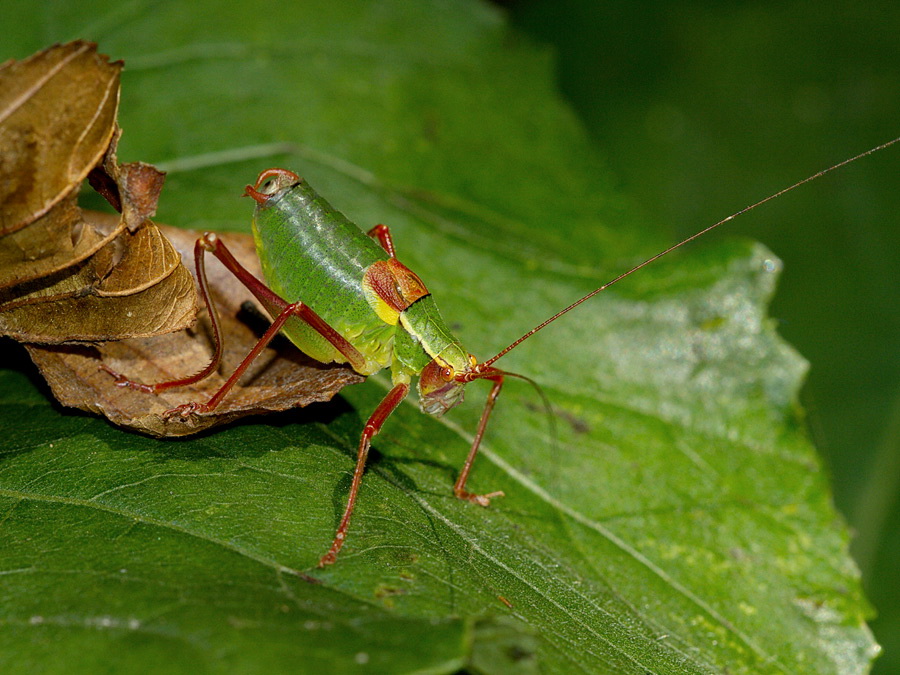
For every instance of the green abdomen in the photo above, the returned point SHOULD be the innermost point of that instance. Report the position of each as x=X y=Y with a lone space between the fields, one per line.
x=312 y=253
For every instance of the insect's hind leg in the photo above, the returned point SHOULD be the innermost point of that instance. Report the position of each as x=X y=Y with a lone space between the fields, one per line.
x=274 y=304
x=200 y=248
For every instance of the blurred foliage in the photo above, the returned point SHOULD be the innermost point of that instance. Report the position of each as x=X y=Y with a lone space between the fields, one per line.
x=701 y=108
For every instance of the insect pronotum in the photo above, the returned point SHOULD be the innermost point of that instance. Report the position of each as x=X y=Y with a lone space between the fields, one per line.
x=341 y=295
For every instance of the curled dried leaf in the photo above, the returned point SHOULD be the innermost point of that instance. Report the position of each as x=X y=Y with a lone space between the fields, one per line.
x=67 y=277
x=53 y=242
x=132 y=189
x=64 y=278
x=133 y=287
x=57 y=116
x=145 y=258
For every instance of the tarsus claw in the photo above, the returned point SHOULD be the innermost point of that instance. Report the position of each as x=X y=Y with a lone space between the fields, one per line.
x=481 y=500
x=328 y=559
x=122 y=381
x=185 y=410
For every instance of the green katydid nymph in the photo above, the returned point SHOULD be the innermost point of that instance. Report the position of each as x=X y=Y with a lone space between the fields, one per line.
x=341 y=295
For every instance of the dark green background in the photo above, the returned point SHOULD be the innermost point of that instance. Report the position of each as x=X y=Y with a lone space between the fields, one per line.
x=701 y=108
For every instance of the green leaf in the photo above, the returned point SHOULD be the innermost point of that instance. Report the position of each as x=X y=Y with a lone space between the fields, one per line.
x=678 y=522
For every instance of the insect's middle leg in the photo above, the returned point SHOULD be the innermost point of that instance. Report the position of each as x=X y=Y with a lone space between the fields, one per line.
x=383 y=234
x=459 y=488
x=373 y=426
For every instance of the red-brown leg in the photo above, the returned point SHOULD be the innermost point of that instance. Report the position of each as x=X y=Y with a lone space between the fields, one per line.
x=383 y=235
x=200 y=263
x=459 y=488
x=194 y=407
x=274 y=304
x=373 y=426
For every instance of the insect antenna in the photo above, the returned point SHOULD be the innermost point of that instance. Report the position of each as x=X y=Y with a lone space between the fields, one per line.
x=545 y=401
x=681 y=243
x=545 y=404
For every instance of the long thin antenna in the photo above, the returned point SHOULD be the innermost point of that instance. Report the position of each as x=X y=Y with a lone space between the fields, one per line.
x=682 y=243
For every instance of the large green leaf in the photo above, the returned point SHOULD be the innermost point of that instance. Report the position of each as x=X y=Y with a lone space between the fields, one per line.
x=700 y=106
x=679 y=522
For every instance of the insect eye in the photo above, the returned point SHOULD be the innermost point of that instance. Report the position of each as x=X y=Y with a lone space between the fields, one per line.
x=446 y=374
x=269 y=186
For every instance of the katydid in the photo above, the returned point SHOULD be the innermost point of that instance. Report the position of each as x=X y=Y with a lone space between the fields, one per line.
x=341 y=295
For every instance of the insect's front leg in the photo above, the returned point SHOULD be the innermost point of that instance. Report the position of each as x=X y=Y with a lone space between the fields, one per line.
x=459 y=488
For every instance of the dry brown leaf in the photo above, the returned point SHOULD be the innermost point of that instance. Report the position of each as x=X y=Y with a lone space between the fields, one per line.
x=57 y=116
x=148 y=259
x=67 y=277
x=92 y=318
x=132 y=189
x=133 y=287
x=55 y=241
x=281 y=378
x=70 y=282
x=63 y=279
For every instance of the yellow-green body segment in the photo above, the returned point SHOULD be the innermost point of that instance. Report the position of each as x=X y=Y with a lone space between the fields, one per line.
x=312 y=253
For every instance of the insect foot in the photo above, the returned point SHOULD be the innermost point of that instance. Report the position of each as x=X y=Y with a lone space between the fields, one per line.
x=328 y=559
x=185 y=410
x=122 y=381
x=481 y=500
